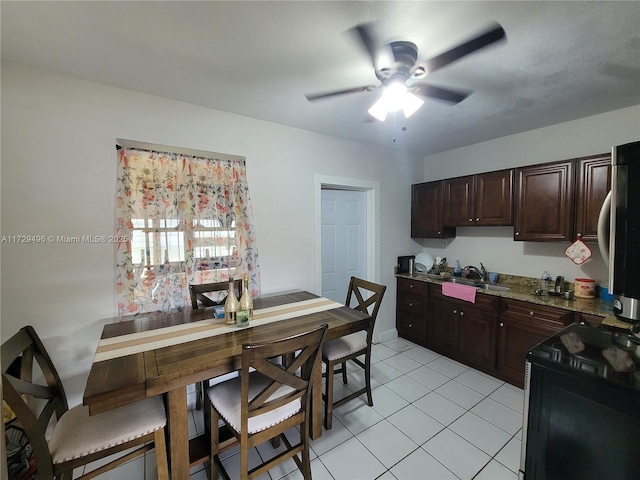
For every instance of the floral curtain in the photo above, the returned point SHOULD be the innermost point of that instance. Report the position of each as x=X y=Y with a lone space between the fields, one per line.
x=181 y=219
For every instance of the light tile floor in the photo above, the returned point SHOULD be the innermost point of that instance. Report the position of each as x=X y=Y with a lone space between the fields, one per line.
x=433 y=418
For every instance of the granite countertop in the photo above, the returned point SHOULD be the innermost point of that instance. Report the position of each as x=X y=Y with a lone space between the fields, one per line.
x=522 y=288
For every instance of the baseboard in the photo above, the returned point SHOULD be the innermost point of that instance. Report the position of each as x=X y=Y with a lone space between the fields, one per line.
x=388 y=335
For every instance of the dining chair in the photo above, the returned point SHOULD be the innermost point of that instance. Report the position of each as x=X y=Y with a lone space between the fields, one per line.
x=364 y=295
x=267 y=400
x=64 y=439
x=200 y=300
x=198 y=291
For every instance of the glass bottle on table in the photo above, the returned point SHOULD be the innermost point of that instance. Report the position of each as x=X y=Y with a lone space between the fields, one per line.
x=245 y=311
x=231 y=306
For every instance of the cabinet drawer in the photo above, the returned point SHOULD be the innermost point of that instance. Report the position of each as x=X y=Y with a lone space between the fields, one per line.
x=486 y=303
x=410 y=327
x=412 y=304
x=539 y=313
x=413 y=286
x=587 y=319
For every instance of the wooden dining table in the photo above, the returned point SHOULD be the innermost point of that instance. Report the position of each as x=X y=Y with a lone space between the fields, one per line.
x=161 y=354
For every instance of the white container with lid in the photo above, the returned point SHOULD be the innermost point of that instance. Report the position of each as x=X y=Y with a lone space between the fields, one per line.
x=585 y=288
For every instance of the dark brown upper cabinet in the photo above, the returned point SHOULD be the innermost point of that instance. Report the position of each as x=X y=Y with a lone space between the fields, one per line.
x=483 y=199
x=544 y=202
x=593 y=184
x=426 y=211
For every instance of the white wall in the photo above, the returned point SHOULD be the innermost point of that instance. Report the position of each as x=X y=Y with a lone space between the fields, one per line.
x=58 y=178
x=494 y=246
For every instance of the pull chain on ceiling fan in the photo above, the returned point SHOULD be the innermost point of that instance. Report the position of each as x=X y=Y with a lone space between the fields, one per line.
x=395 y=65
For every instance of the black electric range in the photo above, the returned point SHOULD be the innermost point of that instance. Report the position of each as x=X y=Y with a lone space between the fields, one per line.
x=582 y=407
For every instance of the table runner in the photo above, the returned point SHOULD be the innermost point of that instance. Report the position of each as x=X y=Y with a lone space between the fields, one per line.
x=109 y=348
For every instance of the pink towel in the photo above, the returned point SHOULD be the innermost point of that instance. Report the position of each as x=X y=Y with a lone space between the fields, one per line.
x=463 y=292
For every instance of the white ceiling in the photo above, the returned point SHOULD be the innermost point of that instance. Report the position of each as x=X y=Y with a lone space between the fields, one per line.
x=562 y=60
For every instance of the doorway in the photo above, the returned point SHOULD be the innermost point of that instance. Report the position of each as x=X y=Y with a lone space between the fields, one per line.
x=342 y=197
x=344 y=240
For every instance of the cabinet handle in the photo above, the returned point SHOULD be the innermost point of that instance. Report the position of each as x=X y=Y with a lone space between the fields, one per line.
x=478 y=219
x=502 y=324
x=410 y=325
x=471 y=219
x=455 y=311
x=411 y=304
x=439 y=233
x=531 y=313
x=461 y=314
x=517 y=233
x=411 y=285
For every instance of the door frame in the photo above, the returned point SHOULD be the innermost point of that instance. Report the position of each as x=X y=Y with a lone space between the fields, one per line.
x=372 y=190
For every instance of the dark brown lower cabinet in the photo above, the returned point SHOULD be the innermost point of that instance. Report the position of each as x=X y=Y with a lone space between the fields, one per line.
x=493 y=334
x=478 y=338
x=411 y=310
x=462 y=330
x=443 y=328
x=521 y=327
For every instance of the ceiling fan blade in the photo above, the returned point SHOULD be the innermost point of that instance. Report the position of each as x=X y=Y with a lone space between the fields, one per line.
x=446 y=94
x=491 y=35
x=381 y=55
x=320 y=96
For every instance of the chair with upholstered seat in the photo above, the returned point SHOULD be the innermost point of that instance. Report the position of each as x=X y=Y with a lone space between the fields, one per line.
x=199 y=299
x=63 y=439
x=367 y=297
x=267 y=400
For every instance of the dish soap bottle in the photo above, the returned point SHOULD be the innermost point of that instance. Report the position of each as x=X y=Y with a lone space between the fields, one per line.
x=457 y=272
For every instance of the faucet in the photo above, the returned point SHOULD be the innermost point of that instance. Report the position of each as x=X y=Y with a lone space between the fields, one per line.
x=477 y=273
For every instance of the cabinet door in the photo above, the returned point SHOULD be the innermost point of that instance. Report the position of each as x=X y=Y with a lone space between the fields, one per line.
x=494 y=198
x=442 y=327
x=459 y=202
x=426 y=212
x=593 y=184
x=544 y=202
x=478 y=338
x=515 y=339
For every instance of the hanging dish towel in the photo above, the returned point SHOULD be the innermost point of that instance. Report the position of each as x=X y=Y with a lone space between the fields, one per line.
x=578 y=251
x=462 y=292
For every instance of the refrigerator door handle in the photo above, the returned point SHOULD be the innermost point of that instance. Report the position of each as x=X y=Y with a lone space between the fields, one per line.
x=604 y=228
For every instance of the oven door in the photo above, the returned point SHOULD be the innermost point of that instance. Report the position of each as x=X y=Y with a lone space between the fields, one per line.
x=579 y=428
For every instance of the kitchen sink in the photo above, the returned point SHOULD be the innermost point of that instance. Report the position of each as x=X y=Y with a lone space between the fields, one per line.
x=495 y=288
x=477 y=284
x=464 y=281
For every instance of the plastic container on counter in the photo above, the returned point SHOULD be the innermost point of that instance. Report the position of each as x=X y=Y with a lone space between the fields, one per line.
x=605 y=294
x=585 y=288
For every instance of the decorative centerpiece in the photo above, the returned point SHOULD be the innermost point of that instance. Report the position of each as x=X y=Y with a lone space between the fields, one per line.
x=231 y=306
x=245 y=310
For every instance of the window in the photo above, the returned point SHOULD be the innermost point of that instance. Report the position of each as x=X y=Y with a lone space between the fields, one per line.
x=184 y=219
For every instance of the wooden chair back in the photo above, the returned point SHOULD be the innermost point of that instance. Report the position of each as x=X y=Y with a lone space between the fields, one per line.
x=302 y=352
x=198 y=297
x=366 y=297
x=22 y=355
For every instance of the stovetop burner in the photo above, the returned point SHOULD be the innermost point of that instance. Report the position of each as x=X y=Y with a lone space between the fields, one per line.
x=594 y=352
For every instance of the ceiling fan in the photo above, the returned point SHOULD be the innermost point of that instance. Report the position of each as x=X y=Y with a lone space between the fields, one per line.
x=396 y=66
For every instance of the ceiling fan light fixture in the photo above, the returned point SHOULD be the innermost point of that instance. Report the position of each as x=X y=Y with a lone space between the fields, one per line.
x=379 y=109
x=395 y=97
x=411 y=104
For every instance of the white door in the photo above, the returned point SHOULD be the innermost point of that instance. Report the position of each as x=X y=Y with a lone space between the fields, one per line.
x=344 y=240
